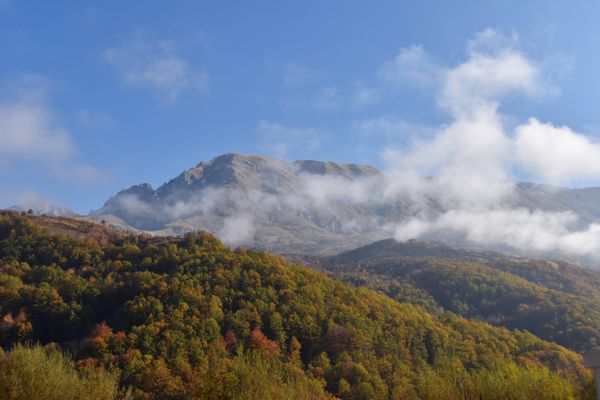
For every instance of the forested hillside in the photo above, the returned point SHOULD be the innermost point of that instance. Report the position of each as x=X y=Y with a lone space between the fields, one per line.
x=187 y=318
x=555 y=300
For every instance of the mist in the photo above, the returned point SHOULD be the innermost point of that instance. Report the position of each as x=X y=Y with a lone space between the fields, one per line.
x=458 y=183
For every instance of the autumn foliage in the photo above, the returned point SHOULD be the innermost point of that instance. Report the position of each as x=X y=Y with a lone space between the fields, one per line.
x=186 y=318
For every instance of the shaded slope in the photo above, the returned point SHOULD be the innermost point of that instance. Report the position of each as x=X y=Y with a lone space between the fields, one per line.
x=557 y=301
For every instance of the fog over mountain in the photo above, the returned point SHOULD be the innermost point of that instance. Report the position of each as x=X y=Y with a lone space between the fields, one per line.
x=323 y=207
x=457 y=183
x=43 y=208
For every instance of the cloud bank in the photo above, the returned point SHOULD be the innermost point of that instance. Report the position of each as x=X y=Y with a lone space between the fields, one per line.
x=474 y=158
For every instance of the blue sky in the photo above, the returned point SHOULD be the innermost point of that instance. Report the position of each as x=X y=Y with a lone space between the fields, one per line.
x=97 y=96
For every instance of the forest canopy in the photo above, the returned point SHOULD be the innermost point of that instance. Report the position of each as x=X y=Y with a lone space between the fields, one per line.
x=188 y=318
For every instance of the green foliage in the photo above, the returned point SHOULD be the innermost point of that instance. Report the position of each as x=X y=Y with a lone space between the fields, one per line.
x=558 y=302
x=37 y=373
x=450 y=380
x=190 y=319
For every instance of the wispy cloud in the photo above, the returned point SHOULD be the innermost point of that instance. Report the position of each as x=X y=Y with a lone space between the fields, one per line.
x=327 y=99
x=293 y=74
x=281 y=141
x=364 y=95
x=411 y=66
x=32 y=134
x=296 y=75
x=155 y=64
x=391 y=129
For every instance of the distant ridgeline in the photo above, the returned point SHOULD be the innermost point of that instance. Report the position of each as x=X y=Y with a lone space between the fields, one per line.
x=555 y=300
x=187 y=318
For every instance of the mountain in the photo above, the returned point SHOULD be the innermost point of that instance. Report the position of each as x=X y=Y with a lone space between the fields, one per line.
x=188 y=318
x=555 y=300
x=44 y=208
x=258 y=201
x=307 y=207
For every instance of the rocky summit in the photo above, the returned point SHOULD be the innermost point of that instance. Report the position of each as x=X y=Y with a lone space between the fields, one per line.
x=309 y=207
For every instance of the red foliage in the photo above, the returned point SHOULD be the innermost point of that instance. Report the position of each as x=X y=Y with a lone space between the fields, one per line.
x=259 y=341
x=99 y=334
x=120 y=337
x=101 y=331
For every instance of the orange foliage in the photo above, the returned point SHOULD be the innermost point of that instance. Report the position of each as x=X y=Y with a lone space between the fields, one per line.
x=259 y=341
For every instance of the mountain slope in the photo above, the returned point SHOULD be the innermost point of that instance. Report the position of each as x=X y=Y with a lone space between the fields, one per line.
x=253 y=200
x=303 y=207
x=189 y=318
x=555 y=300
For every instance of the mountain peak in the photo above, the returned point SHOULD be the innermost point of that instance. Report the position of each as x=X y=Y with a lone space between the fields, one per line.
x=314 y=167
x=304 y=206
x=232 y=158
x=233 y=169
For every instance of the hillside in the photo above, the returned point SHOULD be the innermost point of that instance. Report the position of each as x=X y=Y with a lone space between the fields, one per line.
x=555 y=300
x=187 y=318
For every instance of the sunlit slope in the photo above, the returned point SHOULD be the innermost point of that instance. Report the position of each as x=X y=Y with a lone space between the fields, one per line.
x=189 y=318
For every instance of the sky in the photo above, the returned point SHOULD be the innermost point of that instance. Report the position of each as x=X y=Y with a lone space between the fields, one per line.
x=98 y=96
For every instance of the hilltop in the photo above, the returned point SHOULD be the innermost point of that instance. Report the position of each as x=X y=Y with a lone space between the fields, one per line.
x=189 y=318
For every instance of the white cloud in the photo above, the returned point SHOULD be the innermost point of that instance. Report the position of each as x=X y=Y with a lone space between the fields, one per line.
x=471 y=157
x=411 y=66
x=556 y=154
x=31 y=134
x=491 y=41
x=484 y=79
x=470 y=160
x=157 y=65
x=280 y=141
x=325 y=190
x=30 y=131
x=30 y=199
x=545 y=232
x=237 y=230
